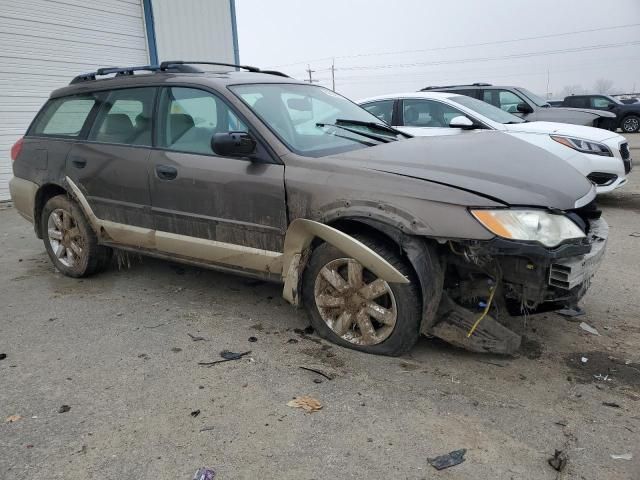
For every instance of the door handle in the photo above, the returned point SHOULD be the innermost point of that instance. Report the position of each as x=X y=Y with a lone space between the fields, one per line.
x=166 y=173
x=78 y=162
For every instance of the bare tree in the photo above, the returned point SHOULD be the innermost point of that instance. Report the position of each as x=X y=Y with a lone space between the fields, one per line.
x=571 y=90
x=603 y=85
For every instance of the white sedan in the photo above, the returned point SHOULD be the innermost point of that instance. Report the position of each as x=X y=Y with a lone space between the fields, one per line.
x=602 y=156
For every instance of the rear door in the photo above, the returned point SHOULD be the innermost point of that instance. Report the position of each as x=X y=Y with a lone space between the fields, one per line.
x=111 y=166
x=196 y=193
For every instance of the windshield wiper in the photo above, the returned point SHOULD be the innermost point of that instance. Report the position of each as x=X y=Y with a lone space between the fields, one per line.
x=374 y=125
x=371 y=136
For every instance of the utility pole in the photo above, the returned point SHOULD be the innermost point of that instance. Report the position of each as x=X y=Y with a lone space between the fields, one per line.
x=309 y=71
x=547 y=84
x=333 y=74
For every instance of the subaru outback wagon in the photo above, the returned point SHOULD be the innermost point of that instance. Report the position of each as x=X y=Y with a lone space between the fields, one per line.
x=379 y=235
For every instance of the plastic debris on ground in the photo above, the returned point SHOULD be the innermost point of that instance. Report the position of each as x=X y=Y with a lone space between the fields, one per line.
x=571 y=312
x=584 y=360
x=204 y=474
x=3 y=356
x=588 y=328
x=559 y=460
x=451 y=459
x=624 y=456
x=307 y=403
x=13 y=418
x=64 y=409
x=227 y=356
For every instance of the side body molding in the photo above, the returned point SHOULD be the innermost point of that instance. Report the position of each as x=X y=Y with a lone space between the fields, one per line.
x=288 y=265
x=299 y=236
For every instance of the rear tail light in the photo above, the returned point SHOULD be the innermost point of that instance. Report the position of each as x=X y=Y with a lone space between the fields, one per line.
x=16 y=149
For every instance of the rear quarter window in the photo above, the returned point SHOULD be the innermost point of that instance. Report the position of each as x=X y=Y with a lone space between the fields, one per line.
x=63 y=117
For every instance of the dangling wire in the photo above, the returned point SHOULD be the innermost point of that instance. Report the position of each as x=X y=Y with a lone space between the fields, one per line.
x=492 y=290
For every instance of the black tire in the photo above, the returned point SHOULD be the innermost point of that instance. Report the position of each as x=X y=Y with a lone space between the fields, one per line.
x=93 y=257
x=408 y=303
x=630 y=124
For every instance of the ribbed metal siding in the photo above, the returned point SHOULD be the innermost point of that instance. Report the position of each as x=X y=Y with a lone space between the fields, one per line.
x=47 y=42
x=194 y=30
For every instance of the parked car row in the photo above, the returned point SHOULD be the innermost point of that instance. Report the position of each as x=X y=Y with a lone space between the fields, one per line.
x=527 y=105
x=381 y=235
x=627 y=115
x=601 y=155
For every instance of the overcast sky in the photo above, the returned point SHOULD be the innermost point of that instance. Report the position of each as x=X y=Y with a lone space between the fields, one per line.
x=365 y=37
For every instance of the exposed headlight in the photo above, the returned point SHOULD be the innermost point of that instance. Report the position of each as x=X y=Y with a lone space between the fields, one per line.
x=584 y=146
x=532 y=225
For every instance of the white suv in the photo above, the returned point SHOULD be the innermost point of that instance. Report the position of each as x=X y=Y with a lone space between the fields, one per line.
x=602 y=156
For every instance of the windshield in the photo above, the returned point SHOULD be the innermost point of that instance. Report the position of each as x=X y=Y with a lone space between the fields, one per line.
x=302 y=116
x=539 y=101
x=492 y=113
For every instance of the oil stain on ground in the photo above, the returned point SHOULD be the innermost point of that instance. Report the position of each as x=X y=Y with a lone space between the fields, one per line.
x=603 y=367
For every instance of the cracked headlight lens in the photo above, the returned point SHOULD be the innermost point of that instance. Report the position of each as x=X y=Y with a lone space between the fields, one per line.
x=584 y=146
x=530 y=225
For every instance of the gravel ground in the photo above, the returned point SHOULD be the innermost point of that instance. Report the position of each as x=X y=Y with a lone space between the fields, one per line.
x=116 y=349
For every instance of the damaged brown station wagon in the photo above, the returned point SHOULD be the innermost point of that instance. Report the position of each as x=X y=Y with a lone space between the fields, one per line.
x=380 y=236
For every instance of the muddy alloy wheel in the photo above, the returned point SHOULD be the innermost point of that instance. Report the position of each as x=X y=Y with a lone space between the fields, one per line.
x=65 y=237
x=631 y=124
x=69 y=240
x=360 y=311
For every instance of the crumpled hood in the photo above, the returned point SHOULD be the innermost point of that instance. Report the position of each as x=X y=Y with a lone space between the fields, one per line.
x=579 y=131
x=492 y=164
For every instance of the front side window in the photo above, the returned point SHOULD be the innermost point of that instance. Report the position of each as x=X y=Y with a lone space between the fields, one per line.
x=601 y=102
x=125 y=117
x=428 y=113
x=304 y=117
x=486 y=110
x=64 y=116
x=189 y=118
x=503 y=99
x=383 y=109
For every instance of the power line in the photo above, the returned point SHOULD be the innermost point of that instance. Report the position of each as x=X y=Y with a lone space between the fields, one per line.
x=486 y=59
x=483 y=44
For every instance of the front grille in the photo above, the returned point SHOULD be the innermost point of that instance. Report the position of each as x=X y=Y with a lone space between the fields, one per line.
x=624 y=151
x=602 y=179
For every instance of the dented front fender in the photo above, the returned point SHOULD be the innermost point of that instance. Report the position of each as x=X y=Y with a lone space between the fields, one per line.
x=301 y=233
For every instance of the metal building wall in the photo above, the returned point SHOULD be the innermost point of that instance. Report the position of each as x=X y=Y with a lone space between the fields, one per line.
x=195 y=30
x=44 y=44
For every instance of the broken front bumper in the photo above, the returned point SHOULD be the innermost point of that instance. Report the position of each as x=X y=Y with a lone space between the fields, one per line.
x=568 y=273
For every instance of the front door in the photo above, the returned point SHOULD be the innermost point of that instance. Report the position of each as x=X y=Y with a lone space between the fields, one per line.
x=111 y=167
x=197 y=194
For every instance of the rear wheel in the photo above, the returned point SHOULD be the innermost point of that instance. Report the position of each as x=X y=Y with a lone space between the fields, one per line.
x=631 y=124
x=351 y=306
x=69 y=240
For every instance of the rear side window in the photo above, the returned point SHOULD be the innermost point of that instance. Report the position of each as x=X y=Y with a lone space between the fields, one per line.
x=64 y=117
x=382 y=109
x=576 y=102
x=125 y=117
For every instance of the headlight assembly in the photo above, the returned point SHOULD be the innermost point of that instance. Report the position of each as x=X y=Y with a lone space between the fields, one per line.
x=530 y=225
x=584 y=146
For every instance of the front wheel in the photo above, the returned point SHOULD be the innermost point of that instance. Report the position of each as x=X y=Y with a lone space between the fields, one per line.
x=631 y=124
x=349 y=305
x=69 y=240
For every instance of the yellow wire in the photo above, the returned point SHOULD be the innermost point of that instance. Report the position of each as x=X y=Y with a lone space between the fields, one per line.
x=484 y=314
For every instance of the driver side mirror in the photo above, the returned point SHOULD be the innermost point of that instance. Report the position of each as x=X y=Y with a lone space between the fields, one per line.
x=524 y=108
x=462 y=122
